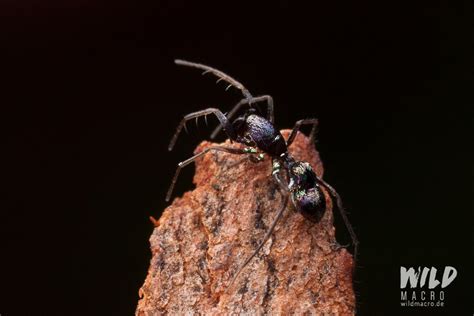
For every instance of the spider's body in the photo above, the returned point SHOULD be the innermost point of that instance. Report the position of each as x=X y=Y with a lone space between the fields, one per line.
x=296 y=179
x=260 y=133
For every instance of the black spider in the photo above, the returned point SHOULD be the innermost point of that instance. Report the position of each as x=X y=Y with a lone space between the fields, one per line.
x=258 y=132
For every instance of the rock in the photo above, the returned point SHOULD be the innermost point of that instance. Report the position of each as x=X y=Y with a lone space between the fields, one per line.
x=203 y=238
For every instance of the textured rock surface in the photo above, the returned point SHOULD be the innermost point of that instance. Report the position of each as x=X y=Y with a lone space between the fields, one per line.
x=203 y=238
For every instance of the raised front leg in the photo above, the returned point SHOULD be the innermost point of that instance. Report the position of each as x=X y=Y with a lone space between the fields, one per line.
x=221 y=117
x=219 y=74
x=298 y=124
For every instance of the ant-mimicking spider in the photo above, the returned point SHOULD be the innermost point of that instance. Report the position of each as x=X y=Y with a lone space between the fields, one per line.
x=258 y=132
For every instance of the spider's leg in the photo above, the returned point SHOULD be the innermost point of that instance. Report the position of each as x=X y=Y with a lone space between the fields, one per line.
x=270 y=230
x=298 y=124
x=183 y=164
x=220 y=116
x=222 y=76
x=343 y=213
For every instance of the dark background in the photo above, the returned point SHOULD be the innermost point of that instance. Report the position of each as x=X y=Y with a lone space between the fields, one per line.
x=91 y=96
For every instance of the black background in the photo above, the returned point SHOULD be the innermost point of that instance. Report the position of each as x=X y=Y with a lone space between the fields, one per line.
x=91 y=97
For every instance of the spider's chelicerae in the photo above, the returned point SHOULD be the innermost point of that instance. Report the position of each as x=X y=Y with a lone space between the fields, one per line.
x=259 y=134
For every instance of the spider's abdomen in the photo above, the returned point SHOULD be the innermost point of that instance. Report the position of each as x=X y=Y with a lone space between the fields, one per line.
x=265 y=136
x=310 y=203
x=306 y=193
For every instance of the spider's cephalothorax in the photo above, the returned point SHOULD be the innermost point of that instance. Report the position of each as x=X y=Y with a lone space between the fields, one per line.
x=258 y=131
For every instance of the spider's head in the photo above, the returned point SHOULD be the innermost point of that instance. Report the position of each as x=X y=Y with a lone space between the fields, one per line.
x=306 y=193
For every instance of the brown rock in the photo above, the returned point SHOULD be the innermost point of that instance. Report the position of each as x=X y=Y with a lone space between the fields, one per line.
x=202 y=239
